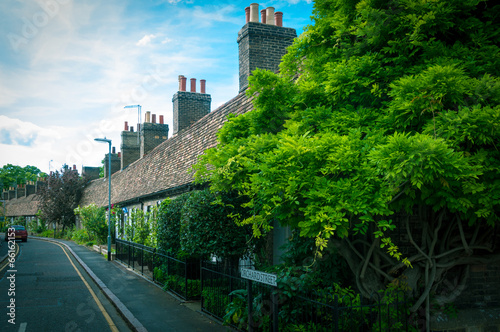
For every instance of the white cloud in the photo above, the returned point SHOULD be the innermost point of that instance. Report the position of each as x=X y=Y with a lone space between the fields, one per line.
x=146 y=40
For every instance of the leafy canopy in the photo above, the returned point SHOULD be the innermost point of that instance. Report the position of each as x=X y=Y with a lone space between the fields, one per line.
x=380 y=107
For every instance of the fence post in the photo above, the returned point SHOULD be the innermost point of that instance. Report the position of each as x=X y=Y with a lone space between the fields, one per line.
x=201 y=284
x=336 y=306
x=250 y=305
x=153 y=263
x=186 y=278
x=274 y=301
x=128 y=249
x=142 y=260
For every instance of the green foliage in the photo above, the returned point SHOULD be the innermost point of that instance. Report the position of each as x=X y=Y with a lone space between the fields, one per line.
x=207 y=226
x=381 y=108
x=94 y=221
x=169 y=224
x=177 y=283
x=81 y=236
x=214 y=298
x=141 y=226
x=12 y=175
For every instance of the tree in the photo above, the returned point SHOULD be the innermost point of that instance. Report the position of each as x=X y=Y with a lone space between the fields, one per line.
x=93 y=219
x=60 y=197
x=385 y=114
x=11 y=175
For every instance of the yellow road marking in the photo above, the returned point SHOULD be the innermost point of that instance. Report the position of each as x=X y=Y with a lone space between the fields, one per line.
x=7 y=259
x=111 y=324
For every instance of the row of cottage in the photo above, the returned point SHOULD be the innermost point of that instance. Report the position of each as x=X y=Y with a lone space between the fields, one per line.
x=150 y=166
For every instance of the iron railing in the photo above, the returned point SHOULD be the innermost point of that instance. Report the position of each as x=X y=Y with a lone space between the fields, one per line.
x=181 y=277
x=225 y=297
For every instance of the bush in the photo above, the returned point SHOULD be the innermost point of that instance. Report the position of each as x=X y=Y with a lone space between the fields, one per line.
x=169 y=224
x=80 y=236
x=207 y=228
x=94 y=220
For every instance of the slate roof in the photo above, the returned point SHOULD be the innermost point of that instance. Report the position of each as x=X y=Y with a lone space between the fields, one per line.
x=167 y=166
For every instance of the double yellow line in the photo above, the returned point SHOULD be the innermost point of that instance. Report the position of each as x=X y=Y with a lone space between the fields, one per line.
x=110 y=322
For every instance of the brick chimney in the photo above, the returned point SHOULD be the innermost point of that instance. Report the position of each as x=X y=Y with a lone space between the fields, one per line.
x=90 y=173
x=30 y=188
x=115 y=162
x=190 y=106
x=20 y=191
x=130 y=148
x=152 y=134
x=262 y=44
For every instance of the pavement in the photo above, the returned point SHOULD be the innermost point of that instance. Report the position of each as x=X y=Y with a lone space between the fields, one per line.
x=143 y=304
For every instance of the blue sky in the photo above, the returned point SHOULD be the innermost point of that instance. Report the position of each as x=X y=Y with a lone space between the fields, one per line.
x=68 y=67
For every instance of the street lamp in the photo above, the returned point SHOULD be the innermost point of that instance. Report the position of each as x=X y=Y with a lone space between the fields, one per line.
x=105 y=140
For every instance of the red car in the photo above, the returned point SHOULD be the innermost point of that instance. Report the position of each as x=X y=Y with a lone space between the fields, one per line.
x=17 y=232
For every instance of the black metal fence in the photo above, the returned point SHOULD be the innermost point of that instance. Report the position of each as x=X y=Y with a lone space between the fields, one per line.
x=181 y=277
x=225 y=295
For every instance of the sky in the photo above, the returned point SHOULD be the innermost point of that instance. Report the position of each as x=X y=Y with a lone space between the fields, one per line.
x=69 y=67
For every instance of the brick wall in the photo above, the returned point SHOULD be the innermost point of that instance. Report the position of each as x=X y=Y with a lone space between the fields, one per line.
x=261 y=46
x=130 y=150
x=152 y=135
x=115 y=164
x=189 y=107
x=90 y=173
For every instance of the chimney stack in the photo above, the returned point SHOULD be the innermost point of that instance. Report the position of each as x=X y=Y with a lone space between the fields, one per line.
x=153 y=118
x=152 y=135
x=189 y=107
x=262 y=44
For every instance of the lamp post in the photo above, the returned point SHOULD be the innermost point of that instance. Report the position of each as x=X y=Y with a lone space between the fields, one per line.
x=105 y=140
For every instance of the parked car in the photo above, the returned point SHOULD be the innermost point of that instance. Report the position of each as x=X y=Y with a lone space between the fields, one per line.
x=20 y=233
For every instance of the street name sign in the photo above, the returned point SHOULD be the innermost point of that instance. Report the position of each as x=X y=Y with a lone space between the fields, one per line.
x=262 y=277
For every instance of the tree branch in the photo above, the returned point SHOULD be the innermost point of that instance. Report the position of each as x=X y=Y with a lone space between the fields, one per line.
x=462 y=236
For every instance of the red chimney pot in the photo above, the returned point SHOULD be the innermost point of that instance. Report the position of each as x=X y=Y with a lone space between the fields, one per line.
x=202 y=86
x=247 y=14
x=193 y=85
x=263 y=16
x=126 y=126
x=161 y=119
x=182 y=83
x=278 y=19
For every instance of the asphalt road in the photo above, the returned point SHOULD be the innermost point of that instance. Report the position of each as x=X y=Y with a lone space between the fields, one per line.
x=51 y=292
